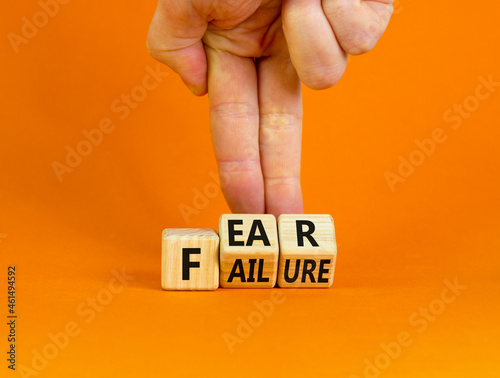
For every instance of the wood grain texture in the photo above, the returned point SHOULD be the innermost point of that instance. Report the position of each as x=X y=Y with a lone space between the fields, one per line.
x=308 y=250
x=174 y=242
x=264 y=257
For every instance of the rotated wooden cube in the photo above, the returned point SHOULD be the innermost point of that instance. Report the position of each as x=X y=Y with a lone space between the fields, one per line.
x=190 y=259
x=308 y=250
x=249 y=250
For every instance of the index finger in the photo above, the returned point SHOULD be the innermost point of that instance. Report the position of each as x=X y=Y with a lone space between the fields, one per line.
x=234 y=122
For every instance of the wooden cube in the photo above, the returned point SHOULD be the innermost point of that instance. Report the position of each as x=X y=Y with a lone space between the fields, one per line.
x=308 y=250
x=190 y=259
x=249 y=250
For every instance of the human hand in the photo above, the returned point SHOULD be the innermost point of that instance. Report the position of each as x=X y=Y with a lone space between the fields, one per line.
x=250 y=55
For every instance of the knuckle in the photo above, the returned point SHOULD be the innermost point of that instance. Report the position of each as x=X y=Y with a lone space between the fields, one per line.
x=233 y=110
x=280 y=121
x=276 y=127
x=231 y=166
x=154 y=48
x=290 y=180
x=334 y=9
x=364 y=39
x=357 y=30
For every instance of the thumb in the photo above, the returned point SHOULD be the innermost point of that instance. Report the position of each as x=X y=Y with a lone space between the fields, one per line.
x=175 y=39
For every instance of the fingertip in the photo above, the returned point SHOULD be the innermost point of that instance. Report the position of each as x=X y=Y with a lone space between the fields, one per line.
x=283 y=196
x=197 y=90
x=325 y=78
x=243 y=190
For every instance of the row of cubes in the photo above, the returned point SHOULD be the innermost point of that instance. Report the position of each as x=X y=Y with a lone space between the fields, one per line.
x=251 y=251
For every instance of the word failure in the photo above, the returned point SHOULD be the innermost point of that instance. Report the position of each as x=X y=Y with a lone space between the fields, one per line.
x=251 y=251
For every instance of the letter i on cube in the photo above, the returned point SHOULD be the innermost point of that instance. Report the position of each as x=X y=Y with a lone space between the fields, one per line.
x=190 y=259
x=249 y=250
x=300 y=251
x=308 y=250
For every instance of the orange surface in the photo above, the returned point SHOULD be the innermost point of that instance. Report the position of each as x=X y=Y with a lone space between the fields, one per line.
x=396 y=248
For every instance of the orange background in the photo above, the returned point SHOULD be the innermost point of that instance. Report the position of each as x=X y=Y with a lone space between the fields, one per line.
x=395 y=248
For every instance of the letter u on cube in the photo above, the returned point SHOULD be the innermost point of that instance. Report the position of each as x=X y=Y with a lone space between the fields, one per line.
x=251 y=251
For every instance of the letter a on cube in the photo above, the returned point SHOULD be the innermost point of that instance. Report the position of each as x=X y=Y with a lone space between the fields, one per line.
x=249 y=250
x=308 y=250
x=190 y=259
